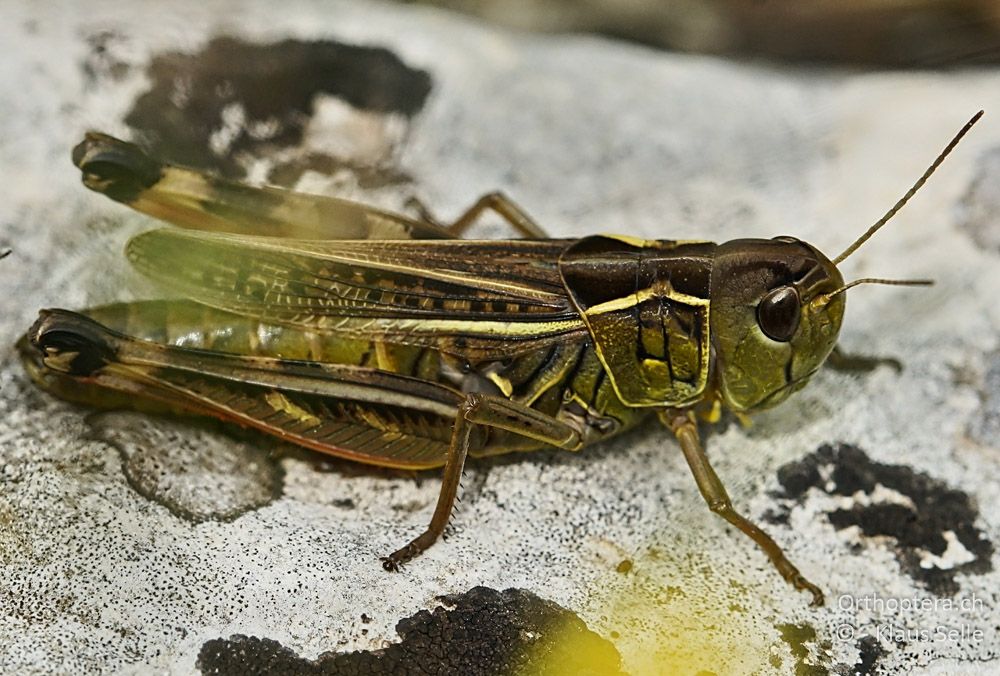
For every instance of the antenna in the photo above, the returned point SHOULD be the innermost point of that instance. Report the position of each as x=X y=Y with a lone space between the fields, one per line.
x=827 y=297
x=909 y=193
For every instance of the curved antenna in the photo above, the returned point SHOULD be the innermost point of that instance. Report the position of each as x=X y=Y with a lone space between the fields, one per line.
x=827 y=297
x=909 y=193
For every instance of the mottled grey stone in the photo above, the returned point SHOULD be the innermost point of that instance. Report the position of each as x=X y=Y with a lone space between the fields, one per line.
x=981 y=206
x=590 y=136
x=192 y=470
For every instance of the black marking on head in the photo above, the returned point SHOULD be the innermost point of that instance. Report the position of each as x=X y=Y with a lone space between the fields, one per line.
x=937 y=509
x=482 y=631
x=271 y=88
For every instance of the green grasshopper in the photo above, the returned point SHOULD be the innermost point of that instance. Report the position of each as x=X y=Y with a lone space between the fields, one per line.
x=391 y=341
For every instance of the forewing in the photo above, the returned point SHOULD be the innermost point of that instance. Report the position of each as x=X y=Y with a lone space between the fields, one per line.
x=499 y=296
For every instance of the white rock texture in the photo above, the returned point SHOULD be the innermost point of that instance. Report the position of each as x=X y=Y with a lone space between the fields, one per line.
x=126 y=544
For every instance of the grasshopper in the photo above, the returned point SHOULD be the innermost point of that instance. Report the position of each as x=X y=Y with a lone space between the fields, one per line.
x=392 y=341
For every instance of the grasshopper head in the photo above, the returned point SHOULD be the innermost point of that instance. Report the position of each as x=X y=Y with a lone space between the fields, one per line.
x=777 y=306
x=775 y=317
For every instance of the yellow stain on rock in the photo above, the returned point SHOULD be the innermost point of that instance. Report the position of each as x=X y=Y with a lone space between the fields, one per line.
x=677 y=613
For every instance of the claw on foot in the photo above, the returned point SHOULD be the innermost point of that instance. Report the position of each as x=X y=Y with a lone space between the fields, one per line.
x=803 y=584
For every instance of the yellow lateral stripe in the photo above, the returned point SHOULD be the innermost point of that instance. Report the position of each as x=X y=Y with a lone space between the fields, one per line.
x=634 y=299
x=654 y=243
x=450 y=326
x=637 y=242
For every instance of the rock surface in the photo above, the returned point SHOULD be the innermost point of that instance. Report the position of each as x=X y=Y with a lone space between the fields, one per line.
x=100 y=569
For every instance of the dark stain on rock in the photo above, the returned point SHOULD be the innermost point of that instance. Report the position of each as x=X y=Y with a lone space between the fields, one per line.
x=102 y=60
x=981 y=203
x=235 y=99
x=870 y=652
x=798 y=637
x=289 y=172
x=191 y=467
x=917 y=530
x=483 y=631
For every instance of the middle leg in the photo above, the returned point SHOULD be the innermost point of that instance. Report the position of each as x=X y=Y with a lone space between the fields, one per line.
x=495 y=201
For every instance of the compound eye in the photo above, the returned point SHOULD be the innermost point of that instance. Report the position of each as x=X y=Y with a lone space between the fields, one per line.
x=778 y=313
